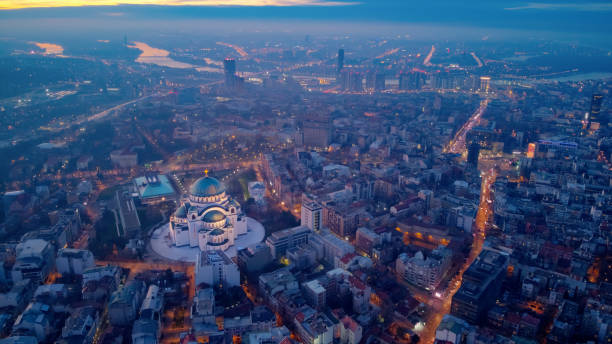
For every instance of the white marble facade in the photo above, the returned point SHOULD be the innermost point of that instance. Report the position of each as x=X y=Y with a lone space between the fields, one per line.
x=209 y=218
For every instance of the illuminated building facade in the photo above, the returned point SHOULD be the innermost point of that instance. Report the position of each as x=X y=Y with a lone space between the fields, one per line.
x=485 y=84
x=208 y=219
x=596 y=121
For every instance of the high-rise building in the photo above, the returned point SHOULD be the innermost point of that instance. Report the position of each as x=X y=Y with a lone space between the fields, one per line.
x=340 y=61
x=317 y=131
x=473 y=153
x=311 y=215
x=345 y=80
x=351 y=81
x=379 y=81
x=413 y=80
x=485 y=84
x=596 y=120
x=481 y=285
x=444 y=80
x=370 y=80
x=356 y=82
x=403 y=81
x=375 y=81
x=229 y=68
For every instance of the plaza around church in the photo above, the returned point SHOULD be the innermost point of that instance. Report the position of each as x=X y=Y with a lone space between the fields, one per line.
x=162 y=244
x=208 y=219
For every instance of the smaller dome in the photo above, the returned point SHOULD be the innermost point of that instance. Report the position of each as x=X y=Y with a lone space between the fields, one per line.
x=213 y=216
x=181 y=212
x=217 y=232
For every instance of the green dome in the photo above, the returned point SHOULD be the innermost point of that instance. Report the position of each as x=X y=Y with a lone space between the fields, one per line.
x=206 y=187
x=181 y=212
x=217 y=232
x=214 y=216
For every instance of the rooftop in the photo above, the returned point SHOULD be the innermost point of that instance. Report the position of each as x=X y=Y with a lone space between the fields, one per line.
x=31 y=248
x=487 y=267
x=153 y=186
x=73 y=253
x=315 y=286
x=214 y=256
x=289 y=232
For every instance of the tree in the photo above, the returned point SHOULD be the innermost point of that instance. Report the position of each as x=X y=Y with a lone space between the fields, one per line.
x=106 y=236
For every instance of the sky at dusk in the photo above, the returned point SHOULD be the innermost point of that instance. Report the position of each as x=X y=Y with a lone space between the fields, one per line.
x=565 y=18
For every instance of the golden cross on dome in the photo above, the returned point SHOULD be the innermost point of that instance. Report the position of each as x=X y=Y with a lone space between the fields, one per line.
x=206 y=173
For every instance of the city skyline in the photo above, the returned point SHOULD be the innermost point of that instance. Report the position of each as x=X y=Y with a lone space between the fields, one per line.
x=305 y=171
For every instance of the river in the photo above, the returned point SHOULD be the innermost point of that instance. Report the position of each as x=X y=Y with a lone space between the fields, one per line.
x=160 y=57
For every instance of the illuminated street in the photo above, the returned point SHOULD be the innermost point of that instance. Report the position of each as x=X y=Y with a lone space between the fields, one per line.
x=458 y=145
x=485 y=212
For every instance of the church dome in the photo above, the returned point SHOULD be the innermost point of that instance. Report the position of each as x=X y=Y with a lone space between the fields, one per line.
x=213 y=216
x=181 y=212
x=206 y=187
x=217 y=232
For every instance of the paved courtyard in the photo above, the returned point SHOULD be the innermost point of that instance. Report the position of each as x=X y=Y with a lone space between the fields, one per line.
x=163 y=246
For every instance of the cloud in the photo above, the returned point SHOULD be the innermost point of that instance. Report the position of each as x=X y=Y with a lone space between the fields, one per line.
x=18 y=4
x=586 y=7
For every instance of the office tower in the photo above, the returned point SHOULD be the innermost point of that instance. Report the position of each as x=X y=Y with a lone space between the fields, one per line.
x=311 y=215
x=340 y=61
x=379 y=81
x=485 y=83
x=375 y=81
x=403 y=81
x=356 y=83
x=481 y=285
x=370 y=80
x=473 y=152
x=344 y=79
x=413 y=80
x=317 y=130
x=596 y=119
x=353 y=82
x=444 y=80
x=229 y=67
